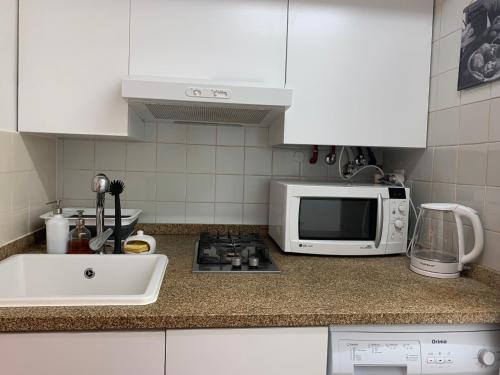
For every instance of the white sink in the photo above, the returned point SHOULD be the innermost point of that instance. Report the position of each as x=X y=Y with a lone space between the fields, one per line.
x=78 y=280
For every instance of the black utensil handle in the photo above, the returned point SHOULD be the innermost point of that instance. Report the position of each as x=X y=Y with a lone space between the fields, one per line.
x=118 y=226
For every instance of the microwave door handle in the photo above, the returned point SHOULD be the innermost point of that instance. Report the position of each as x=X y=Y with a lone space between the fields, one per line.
x=380 y=218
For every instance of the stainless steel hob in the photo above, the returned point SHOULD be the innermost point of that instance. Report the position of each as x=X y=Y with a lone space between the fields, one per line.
x=232 y=253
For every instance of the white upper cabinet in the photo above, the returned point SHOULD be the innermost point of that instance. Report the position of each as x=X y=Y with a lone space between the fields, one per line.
x=219 y=40
x=360 y=73
x=73 y=55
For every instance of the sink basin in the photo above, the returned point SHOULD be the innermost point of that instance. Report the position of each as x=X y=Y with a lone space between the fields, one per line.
x=79 y=280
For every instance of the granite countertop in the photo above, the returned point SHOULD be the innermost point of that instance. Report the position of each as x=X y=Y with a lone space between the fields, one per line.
x=309 y=291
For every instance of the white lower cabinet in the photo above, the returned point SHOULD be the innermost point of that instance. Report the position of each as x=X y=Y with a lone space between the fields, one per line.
x=96 y=353
x=255 y=351
x=252 y=351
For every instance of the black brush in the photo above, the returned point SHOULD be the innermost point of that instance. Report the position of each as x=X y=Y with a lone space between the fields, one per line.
x=116 y=187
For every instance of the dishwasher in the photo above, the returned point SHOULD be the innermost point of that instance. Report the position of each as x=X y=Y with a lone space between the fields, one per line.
x=414 y=349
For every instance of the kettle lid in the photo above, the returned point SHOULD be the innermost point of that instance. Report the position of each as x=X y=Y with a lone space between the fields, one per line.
x=439 y=206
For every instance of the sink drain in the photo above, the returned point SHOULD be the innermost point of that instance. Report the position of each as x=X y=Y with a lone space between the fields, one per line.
x=89 y=273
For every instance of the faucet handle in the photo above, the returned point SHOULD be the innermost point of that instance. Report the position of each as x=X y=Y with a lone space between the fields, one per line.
x=98 y=242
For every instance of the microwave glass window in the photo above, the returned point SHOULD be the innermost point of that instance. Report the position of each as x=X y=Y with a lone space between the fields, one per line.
x=337 y=219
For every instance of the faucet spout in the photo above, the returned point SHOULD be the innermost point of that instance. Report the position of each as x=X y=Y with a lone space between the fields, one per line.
x=100 y=185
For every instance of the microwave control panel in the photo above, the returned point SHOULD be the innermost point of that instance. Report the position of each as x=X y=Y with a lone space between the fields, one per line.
x=399 y=213
x=416 y=351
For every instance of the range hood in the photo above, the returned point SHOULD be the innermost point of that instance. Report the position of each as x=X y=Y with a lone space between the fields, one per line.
x=196 y=101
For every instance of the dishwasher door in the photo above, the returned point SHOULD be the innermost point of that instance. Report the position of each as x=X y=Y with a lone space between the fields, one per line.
x=414 y=349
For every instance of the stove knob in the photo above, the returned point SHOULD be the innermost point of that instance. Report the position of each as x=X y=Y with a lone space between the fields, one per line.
x=486 y=357
x=402 y=208
x=236 y=262
x=253 y=262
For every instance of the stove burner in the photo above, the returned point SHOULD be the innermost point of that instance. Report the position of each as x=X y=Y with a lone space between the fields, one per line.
x=235 y=253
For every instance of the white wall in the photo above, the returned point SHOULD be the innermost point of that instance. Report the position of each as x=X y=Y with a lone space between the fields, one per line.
x=8 y=65
x=27 y=163
x=462 y=161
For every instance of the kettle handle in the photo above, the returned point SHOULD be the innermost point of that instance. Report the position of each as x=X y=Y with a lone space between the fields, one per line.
x=478 y=232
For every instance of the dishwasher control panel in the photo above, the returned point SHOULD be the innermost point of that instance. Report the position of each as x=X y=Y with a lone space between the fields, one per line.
x=408 y=350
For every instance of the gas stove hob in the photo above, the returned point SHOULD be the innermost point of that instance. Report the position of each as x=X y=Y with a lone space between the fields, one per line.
x=232 y=253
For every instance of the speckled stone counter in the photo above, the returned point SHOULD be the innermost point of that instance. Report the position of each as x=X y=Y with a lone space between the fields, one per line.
x=309 y=291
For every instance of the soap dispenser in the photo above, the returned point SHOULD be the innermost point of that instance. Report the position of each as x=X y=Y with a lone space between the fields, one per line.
x=57 y=228
x=79 y=237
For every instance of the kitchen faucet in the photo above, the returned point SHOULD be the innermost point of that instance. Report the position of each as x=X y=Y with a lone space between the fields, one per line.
x=100 y=185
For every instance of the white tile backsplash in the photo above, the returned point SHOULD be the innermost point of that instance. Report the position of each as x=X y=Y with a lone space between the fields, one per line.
x=449 y=52
x=472 y=164
x=494 y=121
x=447 y=94
x=255 y=214
x=256 y=189
x=230 y=135
x=443 y=127
x=171 y=212
x=139 y=186
x=78 y=154
x=200 y=159
x=229 y=188
x=141 y=157
x=229 y=213
x=200 y=213
x=200 y=188
x=201 y=134
x=258 y=161
x=493 y=168
x=445 y=164
x=171 y=133
x=256 y=136
x=474 y=122
x=28 y=180
x=491 y=217
x=230 y=160
x=170 y=157
x=110 y=155
x=77 y=184
x=284 y=163
x=171 y=187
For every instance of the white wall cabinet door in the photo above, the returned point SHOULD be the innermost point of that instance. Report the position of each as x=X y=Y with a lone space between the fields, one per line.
x=277 y=351
x=96 y=353
x=360 y=73
x=73 y=55
x=221 y=40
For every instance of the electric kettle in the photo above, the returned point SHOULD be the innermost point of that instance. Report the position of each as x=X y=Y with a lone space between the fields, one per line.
x=438 y=244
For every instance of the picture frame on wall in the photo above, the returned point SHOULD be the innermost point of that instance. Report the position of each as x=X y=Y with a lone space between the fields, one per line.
x=480 y=44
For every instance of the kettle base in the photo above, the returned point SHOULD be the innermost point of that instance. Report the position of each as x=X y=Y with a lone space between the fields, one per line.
x=437 y=275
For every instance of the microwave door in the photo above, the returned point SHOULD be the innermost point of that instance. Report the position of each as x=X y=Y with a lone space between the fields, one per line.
x=340 y=219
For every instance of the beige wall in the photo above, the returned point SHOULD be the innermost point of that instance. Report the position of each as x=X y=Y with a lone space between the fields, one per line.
x=462 y=161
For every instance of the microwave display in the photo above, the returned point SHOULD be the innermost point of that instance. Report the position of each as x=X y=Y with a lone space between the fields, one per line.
x=338 y=219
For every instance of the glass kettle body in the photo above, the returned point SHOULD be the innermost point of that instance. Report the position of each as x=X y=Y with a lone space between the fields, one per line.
x=438 y=245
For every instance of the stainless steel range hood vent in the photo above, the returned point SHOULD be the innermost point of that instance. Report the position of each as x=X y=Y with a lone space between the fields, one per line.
x=163 y=99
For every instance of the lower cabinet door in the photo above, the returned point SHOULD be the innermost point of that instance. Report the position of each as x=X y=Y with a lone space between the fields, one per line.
x=86 y=353
x=261 y=351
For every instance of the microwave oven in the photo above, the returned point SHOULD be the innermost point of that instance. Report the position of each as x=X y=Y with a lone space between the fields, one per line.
x=338 y=219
